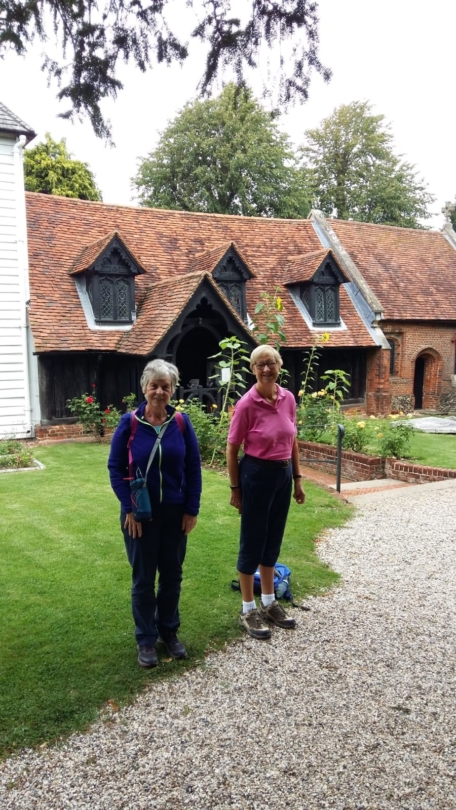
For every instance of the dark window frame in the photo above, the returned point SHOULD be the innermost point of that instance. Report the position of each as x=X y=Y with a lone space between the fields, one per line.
x=231 y=275
x=326 y=282
x=115 y=268
x=393 y=356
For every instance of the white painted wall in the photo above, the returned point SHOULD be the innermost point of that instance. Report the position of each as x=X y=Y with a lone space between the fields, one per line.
x=16 y=418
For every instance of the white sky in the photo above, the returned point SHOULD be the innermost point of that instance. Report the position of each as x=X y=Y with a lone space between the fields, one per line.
x=397 y=54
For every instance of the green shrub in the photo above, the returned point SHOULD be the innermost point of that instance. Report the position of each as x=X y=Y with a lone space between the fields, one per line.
x=357 y=435
x=203 y=425
x=14 y=455
x=394 y=438
x=89 y=413
x=315 y=414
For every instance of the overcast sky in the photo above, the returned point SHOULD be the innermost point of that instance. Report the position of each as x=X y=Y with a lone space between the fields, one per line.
x=397 y=54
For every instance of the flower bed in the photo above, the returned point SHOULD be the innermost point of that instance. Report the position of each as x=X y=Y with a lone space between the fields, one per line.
x=361 y=467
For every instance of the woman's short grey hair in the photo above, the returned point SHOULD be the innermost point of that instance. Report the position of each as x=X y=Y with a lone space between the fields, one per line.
x=265 y=352
x=158 y=370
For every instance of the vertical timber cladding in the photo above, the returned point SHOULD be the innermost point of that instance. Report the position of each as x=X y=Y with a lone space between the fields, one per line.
x=352 y=361
x=62 y=378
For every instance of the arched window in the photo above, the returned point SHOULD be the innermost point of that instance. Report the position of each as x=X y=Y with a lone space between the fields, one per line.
x=392 y=345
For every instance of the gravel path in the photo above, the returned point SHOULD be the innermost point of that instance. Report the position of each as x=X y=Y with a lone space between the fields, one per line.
x=354 y=710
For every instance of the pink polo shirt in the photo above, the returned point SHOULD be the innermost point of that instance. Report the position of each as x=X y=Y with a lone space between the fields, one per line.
x=267 y=431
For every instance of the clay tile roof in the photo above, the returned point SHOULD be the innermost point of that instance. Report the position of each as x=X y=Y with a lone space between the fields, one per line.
x=208 y=261
x=303 y=268
x=166 y=299
x=90 y=253
x=167 y=242
x=11 y=123
x=412 y=272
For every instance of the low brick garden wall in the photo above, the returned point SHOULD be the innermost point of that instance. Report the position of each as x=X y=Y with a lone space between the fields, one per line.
x=360 y=467
x=56 y=432
x=355 y=466
x=401 y=470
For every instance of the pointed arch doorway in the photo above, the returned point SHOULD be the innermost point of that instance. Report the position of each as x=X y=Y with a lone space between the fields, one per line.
x=427 y=380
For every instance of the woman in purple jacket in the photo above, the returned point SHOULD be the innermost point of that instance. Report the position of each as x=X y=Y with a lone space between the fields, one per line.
x=174 y=486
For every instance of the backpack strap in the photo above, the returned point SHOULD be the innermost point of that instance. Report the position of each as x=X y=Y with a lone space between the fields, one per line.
x=133 y=426
x=180 y=421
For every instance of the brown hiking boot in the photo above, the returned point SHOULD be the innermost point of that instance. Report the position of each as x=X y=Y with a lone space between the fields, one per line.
x=254 y=624
x=276 y=614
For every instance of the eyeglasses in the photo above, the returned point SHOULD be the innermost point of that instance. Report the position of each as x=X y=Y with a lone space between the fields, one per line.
x=269 y=364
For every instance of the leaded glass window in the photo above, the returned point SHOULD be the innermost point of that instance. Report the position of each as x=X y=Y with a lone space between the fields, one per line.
x=123 y=302
x=330 y=304
x=111 y=289
x=106 y=300
x=321 y=296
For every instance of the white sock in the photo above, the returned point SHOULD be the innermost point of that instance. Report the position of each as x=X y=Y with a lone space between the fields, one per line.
x=267 y=599
x=248 y=606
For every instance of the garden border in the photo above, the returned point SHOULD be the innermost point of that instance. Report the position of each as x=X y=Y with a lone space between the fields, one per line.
x=361 y=467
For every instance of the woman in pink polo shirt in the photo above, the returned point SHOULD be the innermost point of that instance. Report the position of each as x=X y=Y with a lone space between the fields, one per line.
x=264 y=422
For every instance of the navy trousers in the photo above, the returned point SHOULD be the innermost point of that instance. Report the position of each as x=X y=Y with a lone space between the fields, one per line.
x=161 y=549
x=266 y=495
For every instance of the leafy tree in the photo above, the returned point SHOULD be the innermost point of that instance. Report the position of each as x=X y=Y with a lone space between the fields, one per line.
x=227 y=156
x=50 y=169
x=94 y=36
x=452 y=215
x=353 y=172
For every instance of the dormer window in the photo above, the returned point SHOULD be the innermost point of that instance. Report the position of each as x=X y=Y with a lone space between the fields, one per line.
x=111 y=290
x=104 y=274
x=231 y=273
x=321 y=297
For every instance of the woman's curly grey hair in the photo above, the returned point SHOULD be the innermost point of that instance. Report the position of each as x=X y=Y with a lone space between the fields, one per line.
x=157 y=370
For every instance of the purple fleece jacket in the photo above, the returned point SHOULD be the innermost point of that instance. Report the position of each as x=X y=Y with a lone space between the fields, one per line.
x=175 y=473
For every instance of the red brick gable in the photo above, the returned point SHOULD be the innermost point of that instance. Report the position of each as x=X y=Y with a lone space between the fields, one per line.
x=412 y=272
x=167 y=244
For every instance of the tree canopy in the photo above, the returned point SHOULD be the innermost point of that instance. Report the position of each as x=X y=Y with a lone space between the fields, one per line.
x=50 y=169
x=354 y=173
x=226 y=156
x=94 y=36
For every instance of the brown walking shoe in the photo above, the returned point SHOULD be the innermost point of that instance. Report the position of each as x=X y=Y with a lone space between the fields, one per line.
x=254 y=624
x=276 y=614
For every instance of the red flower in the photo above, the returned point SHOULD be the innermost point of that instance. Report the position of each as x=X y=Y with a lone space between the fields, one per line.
x=107 y=410
x=94 y=385
x=89 y=399
x=103 y=420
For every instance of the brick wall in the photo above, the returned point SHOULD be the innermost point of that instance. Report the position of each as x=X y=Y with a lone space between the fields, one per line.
x=56 y=432
x=378 y=392
x=355 y=466
x=436 y=344
x=415 y=473
x=359 y=467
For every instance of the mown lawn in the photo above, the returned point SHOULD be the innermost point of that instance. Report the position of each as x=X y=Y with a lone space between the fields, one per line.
x=430 y=449
x=66 y=633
